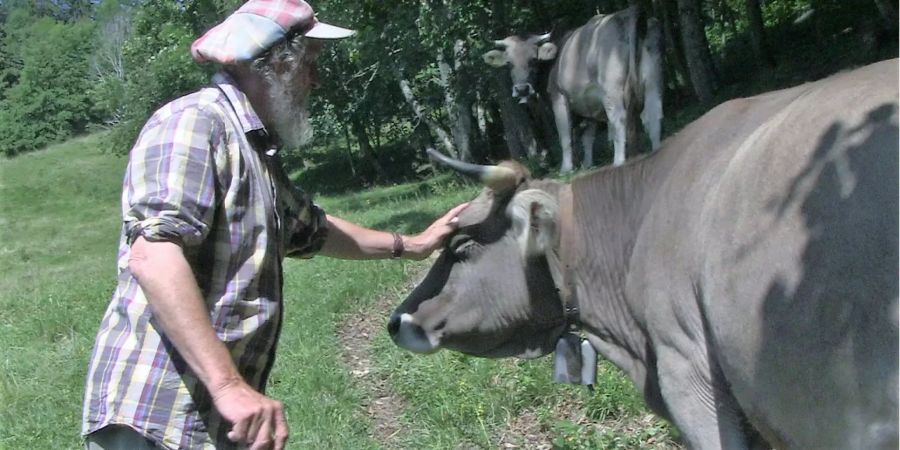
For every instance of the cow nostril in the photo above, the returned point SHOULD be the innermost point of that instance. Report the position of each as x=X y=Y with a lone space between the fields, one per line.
x=394 y=324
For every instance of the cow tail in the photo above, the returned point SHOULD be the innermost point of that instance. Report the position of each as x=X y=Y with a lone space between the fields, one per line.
x=638 y=32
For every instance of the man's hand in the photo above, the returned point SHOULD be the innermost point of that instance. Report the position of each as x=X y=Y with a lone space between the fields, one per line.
x=420 y=246
x=257 y=420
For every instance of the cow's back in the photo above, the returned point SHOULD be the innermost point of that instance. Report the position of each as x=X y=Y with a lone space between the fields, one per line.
x=778 y=226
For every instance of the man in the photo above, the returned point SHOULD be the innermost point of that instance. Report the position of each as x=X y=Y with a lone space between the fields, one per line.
x=185 y=347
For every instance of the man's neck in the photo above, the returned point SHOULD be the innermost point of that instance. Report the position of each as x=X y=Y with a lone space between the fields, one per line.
x=254 y=87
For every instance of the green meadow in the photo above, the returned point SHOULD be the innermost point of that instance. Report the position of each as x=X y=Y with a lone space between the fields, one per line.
x=58 y=237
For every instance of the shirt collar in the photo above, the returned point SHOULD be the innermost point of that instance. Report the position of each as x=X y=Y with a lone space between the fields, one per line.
x=251 y=124
x=250 y=121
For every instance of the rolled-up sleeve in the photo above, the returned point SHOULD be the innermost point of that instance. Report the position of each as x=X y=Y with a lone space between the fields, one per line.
x=170 y=183
x=307 y=226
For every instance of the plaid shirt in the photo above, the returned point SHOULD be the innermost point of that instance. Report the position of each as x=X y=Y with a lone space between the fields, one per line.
x=202 y=175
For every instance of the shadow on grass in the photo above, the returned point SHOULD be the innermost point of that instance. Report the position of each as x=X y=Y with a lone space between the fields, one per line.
x=328 y=168
x=410 y=222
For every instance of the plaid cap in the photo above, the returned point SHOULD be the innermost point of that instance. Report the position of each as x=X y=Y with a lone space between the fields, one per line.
x=256 y=26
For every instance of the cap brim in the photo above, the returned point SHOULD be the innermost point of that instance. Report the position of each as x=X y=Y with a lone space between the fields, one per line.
x=325 y=31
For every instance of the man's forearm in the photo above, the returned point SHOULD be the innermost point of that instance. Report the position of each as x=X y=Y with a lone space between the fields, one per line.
x=350 y=241
x=347 y=240
x=177 y=305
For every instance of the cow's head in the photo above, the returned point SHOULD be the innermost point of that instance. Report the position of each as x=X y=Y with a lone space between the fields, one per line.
x=490 y=293
x=522 y=53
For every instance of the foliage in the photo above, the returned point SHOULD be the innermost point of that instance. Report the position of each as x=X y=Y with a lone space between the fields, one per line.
x=49 y=101
x=157 y=60
x=137 y=57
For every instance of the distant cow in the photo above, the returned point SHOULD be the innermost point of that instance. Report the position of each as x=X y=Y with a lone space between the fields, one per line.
x=744 y=276
x=609 y=69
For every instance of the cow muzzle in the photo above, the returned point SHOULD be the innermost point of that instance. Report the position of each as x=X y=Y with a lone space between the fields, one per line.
x=409 y=335
x=522 y=92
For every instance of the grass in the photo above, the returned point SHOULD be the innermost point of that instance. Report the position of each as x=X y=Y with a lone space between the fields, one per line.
x=58 y=237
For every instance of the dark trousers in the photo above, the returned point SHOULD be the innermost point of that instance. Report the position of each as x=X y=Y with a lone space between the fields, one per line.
x=118 y=437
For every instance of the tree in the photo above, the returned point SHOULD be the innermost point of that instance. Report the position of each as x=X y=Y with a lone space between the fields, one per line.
x=676 y=70
x=888 y=11
x=696 y=50
x=108 y=60
x=757 y=33
x=157 y=61
x=49 y=101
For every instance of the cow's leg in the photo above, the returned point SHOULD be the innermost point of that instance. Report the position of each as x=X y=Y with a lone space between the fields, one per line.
x=587 y=142
x=617 y=130
x=564 y=129
x=700 y=405
x=651 y=116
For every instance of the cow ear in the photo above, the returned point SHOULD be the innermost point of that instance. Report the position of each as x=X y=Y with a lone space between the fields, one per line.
x=495 y=58
x=534 y=215
x=547 y=51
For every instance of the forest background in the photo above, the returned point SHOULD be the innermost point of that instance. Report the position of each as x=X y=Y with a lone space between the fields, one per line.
x=412 y=77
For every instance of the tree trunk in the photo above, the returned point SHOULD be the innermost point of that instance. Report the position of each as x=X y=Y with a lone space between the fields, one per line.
x=497 y=148
x=757 y=33
x=419 y=112
x=365 y=147
x=349 y=149
x=544 y=129
x=677 y=68
x=458 y=106
x=465 y=100
x=482 y=140
x=888 y=10
x=516 y=124
x=696 y=50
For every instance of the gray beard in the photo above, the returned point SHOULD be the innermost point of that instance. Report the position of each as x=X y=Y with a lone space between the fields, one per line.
x=289 y=113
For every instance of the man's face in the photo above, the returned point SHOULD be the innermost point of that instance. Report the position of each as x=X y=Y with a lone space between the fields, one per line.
x=288 y=98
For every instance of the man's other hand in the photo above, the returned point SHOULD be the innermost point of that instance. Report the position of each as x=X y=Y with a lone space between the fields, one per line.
x=257 y=420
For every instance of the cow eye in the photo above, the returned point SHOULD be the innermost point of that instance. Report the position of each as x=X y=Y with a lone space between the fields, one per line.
x=461 y=246
x=466 y=249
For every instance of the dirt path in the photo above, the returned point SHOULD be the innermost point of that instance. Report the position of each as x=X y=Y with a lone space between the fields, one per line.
x=385 y=408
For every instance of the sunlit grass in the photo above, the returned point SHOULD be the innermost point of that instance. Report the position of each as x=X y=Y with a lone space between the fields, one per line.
x=59 y=226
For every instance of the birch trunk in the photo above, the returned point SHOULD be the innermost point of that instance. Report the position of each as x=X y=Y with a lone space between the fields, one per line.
x=419 y=112
x=458 y=105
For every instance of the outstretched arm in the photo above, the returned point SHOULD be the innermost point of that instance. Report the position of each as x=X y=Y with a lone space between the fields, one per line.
x=347 y=240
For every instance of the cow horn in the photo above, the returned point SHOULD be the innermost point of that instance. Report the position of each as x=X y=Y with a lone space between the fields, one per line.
x=500 y=43
x=498 y=178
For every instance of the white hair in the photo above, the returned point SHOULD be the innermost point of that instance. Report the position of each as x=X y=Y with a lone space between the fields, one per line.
x=278 y=67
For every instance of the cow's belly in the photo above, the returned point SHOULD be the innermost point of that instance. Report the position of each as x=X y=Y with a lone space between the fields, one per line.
x=799 y=281
x=585 y=99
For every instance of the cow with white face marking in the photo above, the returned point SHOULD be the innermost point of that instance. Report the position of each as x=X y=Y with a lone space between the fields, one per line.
x=744 y=276
x=609 y=69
